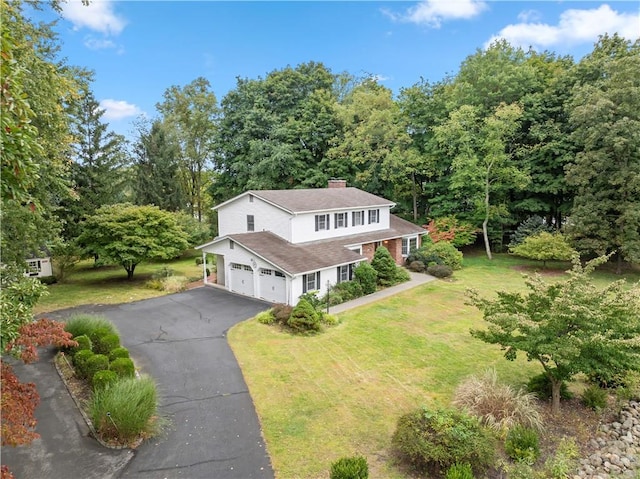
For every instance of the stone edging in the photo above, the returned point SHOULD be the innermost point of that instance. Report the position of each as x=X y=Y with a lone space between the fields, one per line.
x=79 y=406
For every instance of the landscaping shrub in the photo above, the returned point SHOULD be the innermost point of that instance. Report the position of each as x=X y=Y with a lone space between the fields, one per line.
x=441 y=252
x=48 y=280
x=348 y=290
x=311 y=297
x=156 y=284
x=80 y=360
x=86 y=324
x=266 y=317
x=564 y=460
x=440 y=270
x=459 y=471
x=83 y=343
x=540 y=385
x=498 y=406
x=350 y=468
x=304 y=317
x=329 y=319
x=119 y=352
x=529 y=227
x=105 y=343
x=594 y=397
x=125 y=410
x=198 y=260
x=522 y=444
x=385 y=266
x=163 y=273
x=103 y=379
x=97 y=362
x=367 y=276
x=417 y=266
x=174 y=284
x=282 y=313
x=630 y=388
x=402 y=275
x=123 y=367
x=434 y=440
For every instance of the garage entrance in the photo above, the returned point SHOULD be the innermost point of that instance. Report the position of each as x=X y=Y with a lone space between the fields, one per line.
x=273 y=286
x=241 y=279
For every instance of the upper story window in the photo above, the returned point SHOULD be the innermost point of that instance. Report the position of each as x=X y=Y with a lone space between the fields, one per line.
x=357 y=218
x=250 y=223
x=322 y=222
x=374 y=216
x=341 y=220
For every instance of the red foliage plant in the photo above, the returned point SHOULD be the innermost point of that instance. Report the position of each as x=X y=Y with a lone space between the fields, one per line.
x=19 y=400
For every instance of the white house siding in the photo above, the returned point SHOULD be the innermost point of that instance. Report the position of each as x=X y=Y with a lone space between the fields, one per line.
x=38 y=267
x=232 y=217
x=304 y=225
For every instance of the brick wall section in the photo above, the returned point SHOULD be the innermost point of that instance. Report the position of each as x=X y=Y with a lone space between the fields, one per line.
x=368 y=251
x=394 y=246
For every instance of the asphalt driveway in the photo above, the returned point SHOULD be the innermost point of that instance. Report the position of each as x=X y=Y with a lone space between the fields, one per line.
x=180 y=340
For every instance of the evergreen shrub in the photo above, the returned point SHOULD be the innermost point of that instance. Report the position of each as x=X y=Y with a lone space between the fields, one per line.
x=433 y=440
x=97 y=362
x=118 y=353
x=304 y=318
x=123 y=367
x=350 y=468
x=522 y=444
x=367 y=276
x=103 y=379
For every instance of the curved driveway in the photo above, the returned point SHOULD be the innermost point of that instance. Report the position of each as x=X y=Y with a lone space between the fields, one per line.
x=180 y=340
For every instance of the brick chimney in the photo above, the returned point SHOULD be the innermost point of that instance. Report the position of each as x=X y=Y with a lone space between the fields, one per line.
x=334 y=183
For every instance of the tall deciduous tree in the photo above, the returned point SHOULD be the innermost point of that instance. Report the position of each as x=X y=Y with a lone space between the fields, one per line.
x=127 y=235
x=36 y=86
x=568 y=327
x=191 y=114
x=605 y=115
x=157 y=165
x=482 y=160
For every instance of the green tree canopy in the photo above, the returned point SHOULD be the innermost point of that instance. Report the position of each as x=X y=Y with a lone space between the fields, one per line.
x=544 y=247
x=127 y=235
x=569 y=327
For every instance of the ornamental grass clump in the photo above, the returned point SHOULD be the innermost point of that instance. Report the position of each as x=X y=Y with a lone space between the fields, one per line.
x=125 y=410
x=350 y=468
x=498 y=406
x=88 y=324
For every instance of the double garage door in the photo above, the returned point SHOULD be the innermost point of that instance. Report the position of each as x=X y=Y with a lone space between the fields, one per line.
x=271 y=283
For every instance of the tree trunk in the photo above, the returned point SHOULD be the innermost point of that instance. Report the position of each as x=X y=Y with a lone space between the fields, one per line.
x=485 y=232
x=619 y=262
x=555 y=395
x=415 y=198
x=130 y=269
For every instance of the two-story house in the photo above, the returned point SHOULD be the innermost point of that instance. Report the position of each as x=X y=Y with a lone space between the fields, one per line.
x=278 y=244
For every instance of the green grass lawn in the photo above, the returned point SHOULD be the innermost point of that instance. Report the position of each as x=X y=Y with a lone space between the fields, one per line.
x=109 y=284
x=340 y=393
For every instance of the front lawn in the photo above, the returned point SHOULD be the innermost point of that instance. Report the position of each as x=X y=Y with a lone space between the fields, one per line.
x=340 y=393
x=109 y=284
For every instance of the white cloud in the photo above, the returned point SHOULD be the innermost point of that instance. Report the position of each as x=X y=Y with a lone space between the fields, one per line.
x=574 y=27
x=119 y=109
x=433 y=12
x=529 y=16
x=93 y=43
x=98 y=15
x=379 y=78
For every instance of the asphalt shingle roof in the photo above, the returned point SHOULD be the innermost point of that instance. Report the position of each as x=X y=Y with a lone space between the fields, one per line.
x=315 y=199
x=315 y=255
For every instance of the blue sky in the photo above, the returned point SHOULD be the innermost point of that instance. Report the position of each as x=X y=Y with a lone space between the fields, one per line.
x=138 y=49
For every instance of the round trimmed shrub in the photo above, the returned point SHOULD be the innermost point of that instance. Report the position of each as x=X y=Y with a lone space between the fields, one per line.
x=80 y=360
x=350 y=468
x=119 y=352
x=329 y=319
x=417 y=266
x=523 y=444
x=367 y=276
x=282 y=313
x=433 y=440
x=440 y=270
x=123 y=367
x=83 y=343
x=304 y=317
x=105 y=343
x=266 y=317
x=103 y=379
x=97 y=362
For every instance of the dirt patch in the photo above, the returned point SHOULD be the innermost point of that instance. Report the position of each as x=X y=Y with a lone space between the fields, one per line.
x=525 y=269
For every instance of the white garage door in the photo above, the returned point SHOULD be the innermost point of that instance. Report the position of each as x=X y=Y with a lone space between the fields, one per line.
x=241 y=279
x=273 y=286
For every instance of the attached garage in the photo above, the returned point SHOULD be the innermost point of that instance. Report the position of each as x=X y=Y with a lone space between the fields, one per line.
x=273 y=285
x=241 y=279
